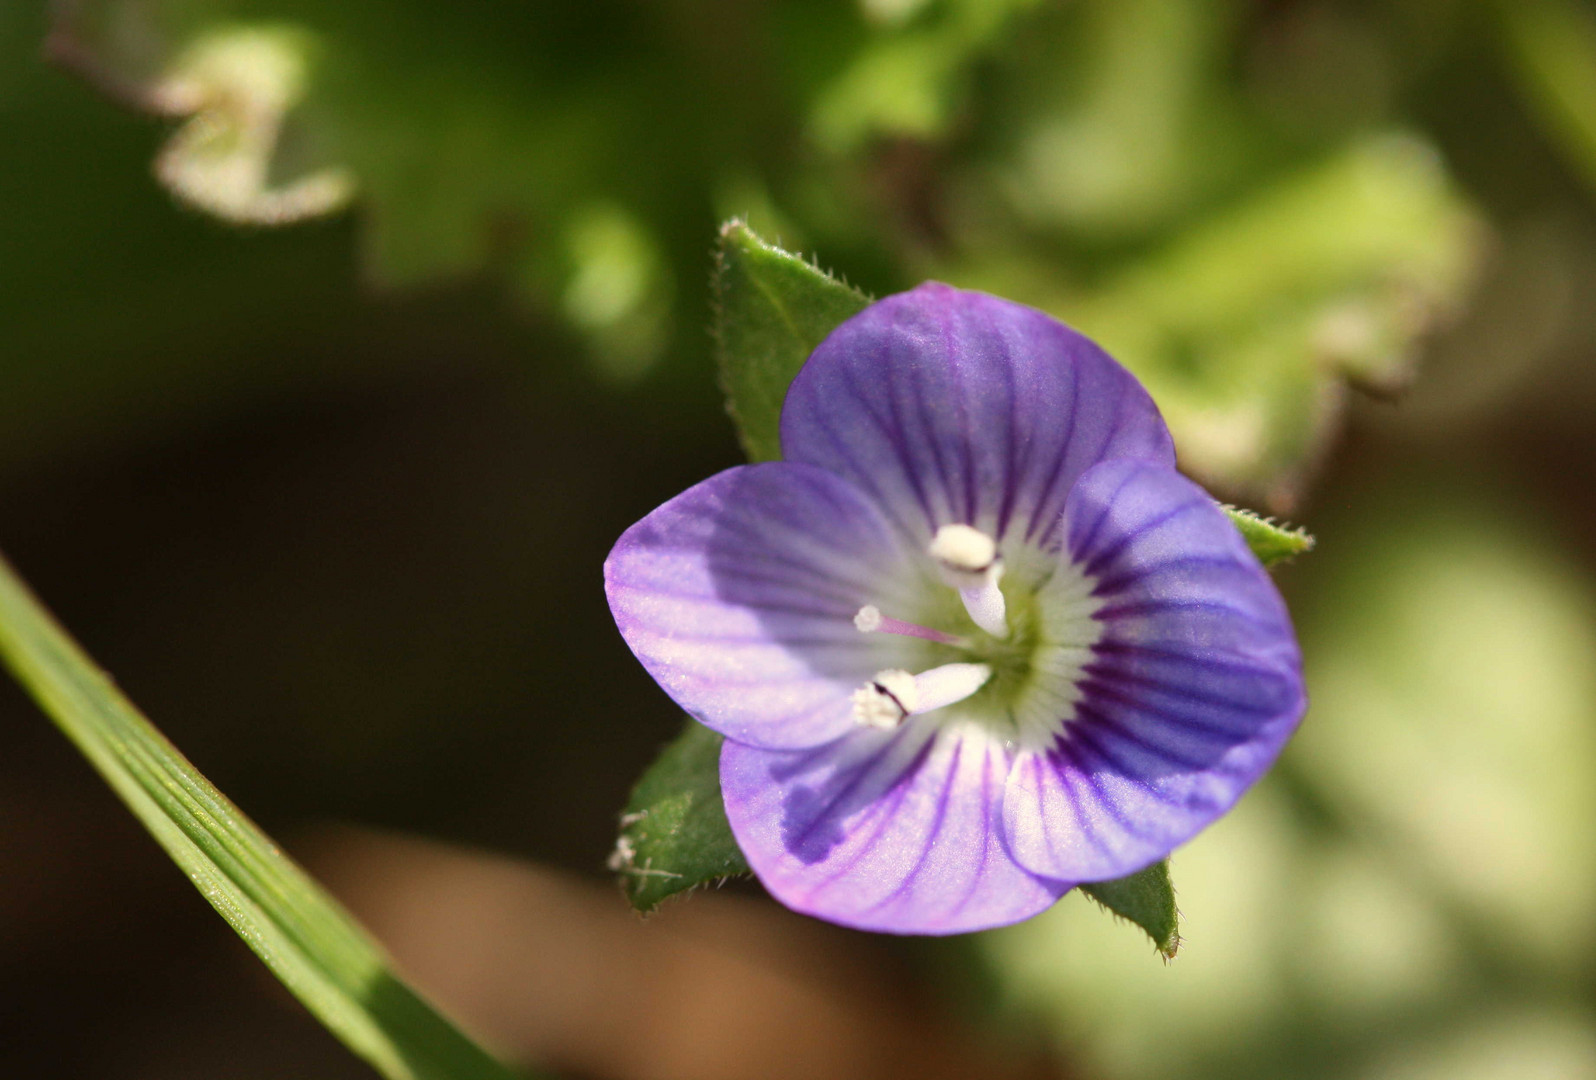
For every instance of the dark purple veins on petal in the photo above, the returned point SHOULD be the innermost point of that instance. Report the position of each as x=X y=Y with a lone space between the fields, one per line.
x=738 y=596
x=960 y=407
x=1192 y=689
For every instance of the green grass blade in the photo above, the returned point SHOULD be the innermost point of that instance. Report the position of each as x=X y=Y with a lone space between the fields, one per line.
x=302 y=934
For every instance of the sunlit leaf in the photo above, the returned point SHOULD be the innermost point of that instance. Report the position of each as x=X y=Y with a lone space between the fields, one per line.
x=1126 y=128
x=302 y=934
x=1246 y=326
x=771 y=309
x=674 y=834
x=1146 y=898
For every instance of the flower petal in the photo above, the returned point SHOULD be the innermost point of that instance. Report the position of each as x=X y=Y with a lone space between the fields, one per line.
x=947 y=407
x=1194 y=686
x=895 y=831
x=739 y=596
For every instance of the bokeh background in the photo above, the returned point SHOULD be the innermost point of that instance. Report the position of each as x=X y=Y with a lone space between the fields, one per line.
x=338 y=342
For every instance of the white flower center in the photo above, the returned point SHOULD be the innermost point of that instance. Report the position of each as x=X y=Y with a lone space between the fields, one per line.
x=1030 y=666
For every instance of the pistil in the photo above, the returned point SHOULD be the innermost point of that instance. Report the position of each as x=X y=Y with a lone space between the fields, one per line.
x=869 y=620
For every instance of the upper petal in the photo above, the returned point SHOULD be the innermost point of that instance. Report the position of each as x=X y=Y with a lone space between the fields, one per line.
x=894 y=831
x=1193 y=689
x=952 y=406
x=738 y=596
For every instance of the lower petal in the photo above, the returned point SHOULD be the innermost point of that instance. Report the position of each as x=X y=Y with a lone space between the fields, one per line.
x=891 y=831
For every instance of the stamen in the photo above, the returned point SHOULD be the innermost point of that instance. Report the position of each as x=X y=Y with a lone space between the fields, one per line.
x=969 y=562
x=869 y=620
x=886 y=700
x=948 y=685
x=963 y=549
x=893 y=695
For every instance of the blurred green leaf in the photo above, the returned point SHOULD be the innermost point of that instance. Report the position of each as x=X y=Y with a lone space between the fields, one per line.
x=303 y=935
x=1245 y=325
x=1127 y=123
x=236 y=86
x=674 y=834
x=1553 y=48
x=1270 y=542
x=500 y=139
x=1146 y=898
x=908 y=77
x=236 y=89
x=771 y=309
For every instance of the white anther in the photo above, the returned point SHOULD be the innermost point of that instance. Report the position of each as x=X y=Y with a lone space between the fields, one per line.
x=868 y=620
x=886 y=700
x=965 y=552
x=969 y=562
x=894 y=695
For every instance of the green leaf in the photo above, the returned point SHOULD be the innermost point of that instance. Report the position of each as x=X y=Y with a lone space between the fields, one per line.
x=674 y=834
x=1270 y=542
x=1146 y=898
x=771 y=309
x=302 y=934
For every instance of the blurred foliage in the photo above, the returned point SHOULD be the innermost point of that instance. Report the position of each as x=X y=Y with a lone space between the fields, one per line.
x=1241 y=252
x=1553 y=44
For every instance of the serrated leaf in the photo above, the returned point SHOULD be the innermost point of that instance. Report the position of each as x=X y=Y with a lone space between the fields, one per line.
x=1146 y=898
x=304 y=936
x=1270 y=542
x=771 y=309
x=674 y=834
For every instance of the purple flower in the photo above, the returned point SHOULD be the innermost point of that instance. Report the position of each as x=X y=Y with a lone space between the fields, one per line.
x=974 y=641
